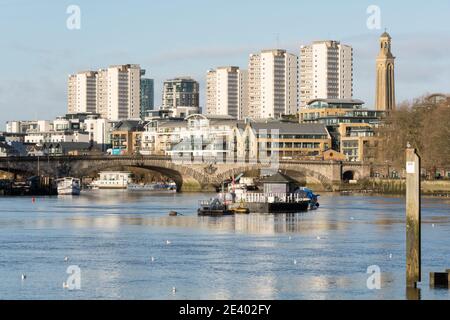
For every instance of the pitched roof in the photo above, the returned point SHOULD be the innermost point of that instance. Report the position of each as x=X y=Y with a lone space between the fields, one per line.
x=277 y=178
x=129 y=125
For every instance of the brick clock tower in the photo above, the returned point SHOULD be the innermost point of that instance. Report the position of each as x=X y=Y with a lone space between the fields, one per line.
x=385 y=95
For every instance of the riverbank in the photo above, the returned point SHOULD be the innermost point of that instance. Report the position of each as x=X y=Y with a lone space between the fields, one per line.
x=438 y=188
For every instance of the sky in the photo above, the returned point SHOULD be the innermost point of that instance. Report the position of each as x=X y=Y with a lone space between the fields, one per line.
x=186 y=38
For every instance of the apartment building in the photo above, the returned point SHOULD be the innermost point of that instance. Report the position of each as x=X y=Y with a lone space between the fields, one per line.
x=124 y=82
x=28 y=126
x=350 y=125
x=217 y=139
x=320 y=109
x=102 y=92
x=147 y=96
x=82 y=92
x=262 y=140
x=272 y=84
x=226 y=92
x=356 y=141
x=126 y=137
x=181 y=96
x=114 y=92
x=326 y=71
x=196 y=138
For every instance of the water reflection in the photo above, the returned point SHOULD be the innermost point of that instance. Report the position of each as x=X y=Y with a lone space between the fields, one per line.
x=257 y=224
x=112 y=236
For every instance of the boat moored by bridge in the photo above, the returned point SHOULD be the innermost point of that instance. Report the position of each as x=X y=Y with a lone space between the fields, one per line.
x=69 y=186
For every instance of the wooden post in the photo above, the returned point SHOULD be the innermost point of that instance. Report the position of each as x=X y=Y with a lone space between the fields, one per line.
x=413 y=219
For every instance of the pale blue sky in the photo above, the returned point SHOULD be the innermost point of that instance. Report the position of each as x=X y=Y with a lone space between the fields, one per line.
x=180 y=37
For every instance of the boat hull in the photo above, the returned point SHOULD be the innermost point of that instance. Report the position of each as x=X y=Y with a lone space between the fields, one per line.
x=278 y=207
x=214 y=213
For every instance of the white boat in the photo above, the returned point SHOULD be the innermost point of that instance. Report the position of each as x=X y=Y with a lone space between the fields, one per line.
x=69 y=186
x=112 y=180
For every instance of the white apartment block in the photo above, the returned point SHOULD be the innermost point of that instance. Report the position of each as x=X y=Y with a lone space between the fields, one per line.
x=114 y=92
x=272 y=84
x=326 y=71
x=29 y=126
x=82 y=92
x=98 y=130
x=124 y=83
x=226 y=92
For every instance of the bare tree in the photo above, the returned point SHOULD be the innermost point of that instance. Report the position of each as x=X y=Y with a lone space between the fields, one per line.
x=425 y=125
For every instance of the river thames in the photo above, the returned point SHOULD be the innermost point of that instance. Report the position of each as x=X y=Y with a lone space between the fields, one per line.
x=113 y=235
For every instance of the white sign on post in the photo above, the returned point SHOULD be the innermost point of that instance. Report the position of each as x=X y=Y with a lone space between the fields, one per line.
x=411 y=167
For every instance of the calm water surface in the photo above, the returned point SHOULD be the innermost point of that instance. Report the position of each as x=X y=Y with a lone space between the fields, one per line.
x=112 y=235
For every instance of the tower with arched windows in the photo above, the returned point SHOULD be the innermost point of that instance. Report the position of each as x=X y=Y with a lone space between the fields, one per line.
x=385 y=95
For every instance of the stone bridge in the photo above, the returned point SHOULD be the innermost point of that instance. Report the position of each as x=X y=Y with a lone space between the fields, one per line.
x=188 y=176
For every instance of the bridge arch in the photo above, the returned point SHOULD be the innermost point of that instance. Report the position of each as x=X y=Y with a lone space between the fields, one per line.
x=353 y=172
x=298 y=173
x=186 y=178
x=348 y=175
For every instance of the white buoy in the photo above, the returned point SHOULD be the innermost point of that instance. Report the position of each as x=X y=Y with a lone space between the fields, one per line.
x=319 y=238
x=153 y=259
x=433 y=225
x=295 y=261
x=168 y=242
x=66 y=259
x=390 y=256
x=174 y=289
x=24 y=276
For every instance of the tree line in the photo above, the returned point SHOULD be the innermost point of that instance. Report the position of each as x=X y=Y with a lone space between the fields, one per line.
x=424 y=123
